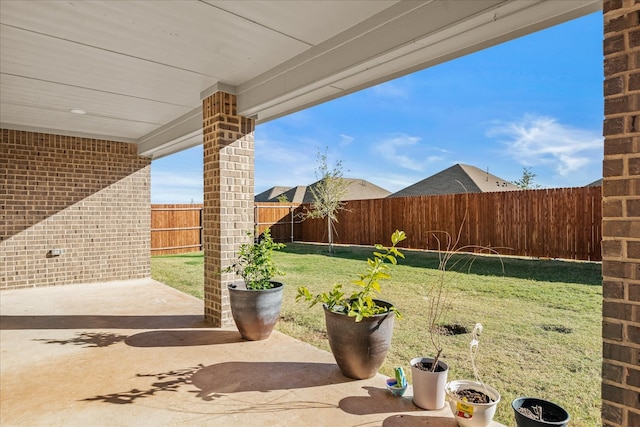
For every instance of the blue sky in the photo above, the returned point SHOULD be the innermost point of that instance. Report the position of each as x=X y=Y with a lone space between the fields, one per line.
x=533 y=102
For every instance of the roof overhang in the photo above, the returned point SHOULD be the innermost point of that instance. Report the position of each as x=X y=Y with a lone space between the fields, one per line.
x=278 y=57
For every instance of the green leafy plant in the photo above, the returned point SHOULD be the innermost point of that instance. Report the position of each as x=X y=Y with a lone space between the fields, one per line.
x=254 y=263
x=361 y=303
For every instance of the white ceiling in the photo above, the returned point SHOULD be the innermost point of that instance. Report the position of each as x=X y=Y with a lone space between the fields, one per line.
x=139 y=69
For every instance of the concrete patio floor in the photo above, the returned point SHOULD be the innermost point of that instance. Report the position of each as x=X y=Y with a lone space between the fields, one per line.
x=138 y=353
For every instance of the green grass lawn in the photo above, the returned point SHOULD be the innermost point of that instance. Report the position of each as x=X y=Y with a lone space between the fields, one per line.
x=542 y=334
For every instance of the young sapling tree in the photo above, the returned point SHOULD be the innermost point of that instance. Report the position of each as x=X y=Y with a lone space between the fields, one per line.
x=328 y=195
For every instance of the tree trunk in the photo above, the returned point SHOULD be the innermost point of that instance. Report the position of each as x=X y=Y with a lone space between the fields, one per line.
x=329 y=235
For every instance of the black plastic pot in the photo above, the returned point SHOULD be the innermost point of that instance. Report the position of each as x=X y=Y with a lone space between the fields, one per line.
x=552 y=414
x=255 y=312
x=359 y=347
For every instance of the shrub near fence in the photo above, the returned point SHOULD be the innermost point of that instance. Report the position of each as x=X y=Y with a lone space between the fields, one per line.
x=555 y=223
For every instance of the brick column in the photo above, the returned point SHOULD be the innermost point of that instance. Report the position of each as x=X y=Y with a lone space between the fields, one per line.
x=621 y=215
x=228 y=197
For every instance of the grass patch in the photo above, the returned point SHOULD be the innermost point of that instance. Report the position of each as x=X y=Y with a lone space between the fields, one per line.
x=185 y=272
x=541 y=318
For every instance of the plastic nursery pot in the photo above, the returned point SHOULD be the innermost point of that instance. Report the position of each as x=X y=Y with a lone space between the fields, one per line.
x=428 y=387
x=395 y=389
x=552 y=414
x=469 y=414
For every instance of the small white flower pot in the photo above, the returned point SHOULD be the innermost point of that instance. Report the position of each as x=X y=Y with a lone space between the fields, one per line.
x=469 y=414
x=428 y=387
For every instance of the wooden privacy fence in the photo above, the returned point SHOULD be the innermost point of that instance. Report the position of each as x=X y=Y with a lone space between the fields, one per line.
x=283 y=219
x=556 y=223
x=176 y=229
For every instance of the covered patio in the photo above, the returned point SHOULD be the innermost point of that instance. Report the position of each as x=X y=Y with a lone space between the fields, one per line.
x=93 y=91
x=138 y=353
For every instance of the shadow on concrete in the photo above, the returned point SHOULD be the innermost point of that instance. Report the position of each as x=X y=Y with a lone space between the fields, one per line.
x=234 y=377
x=164 y=382
x=163 y=338
x=182 y=338
x=416 y=421
x=215 y=381
x=379 y=401
x=102 y=322
x=88 y=339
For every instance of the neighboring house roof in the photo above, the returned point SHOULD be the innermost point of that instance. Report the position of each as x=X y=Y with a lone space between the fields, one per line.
x=458 y=178
x=357 y=189
x=272 y=193
x=295 y=194
x=596 y=183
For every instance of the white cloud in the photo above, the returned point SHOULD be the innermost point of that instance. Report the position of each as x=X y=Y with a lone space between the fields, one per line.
x=435 y=159
x=185 y=179
x=395 y=150
x=391 y=90
x=283 y=163
x=346 y=140
x=176 y=187
x=406 y=152
x=536 y=140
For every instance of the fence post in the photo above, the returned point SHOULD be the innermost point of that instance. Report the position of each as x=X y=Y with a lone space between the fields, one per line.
x=291 y=213
x=201 y=229
x=256 y=221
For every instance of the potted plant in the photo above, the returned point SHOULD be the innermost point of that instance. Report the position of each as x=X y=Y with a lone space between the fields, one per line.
x=429 y=373
x=533 y=412
x=359 y=326
x=256 y=300
x=473 y=403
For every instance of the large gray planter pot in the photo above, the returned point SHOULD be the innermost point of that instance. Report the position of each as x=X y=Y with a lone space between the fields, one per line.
x=359 y=347
x=255 y=312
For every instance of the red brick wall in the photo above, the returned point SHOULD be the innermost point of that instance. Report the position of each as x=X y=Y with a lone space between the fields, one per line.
x=621 y=215
x=88 y=197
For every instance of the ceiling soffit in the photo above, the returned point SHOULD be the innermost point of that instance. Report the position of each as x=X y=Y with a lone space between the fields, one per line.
x=140 y=69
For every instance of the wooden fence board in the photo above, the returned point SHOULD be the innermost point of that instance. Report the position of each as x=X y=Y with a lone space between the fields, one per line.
x=547 y=223
x=176 y=229
x=550 y=223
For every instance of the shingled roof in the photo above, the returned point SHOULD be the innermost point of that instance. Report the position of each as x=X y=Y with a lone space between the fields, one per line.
x=357 y=189
x=458 y=178
x=271 y=194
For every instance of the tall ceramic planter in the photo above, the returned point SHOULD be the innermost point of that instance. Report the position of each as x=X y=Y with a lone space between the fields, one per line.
x=552 y=414
x=428 y=387
x=255 y=312
x=469 y=414
x=359 y=347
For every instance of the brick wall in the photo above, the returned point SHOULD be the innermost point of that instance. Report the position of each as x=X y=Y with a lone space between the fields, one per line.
x=228 y=198
x=621 y=215
x=88 y=197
